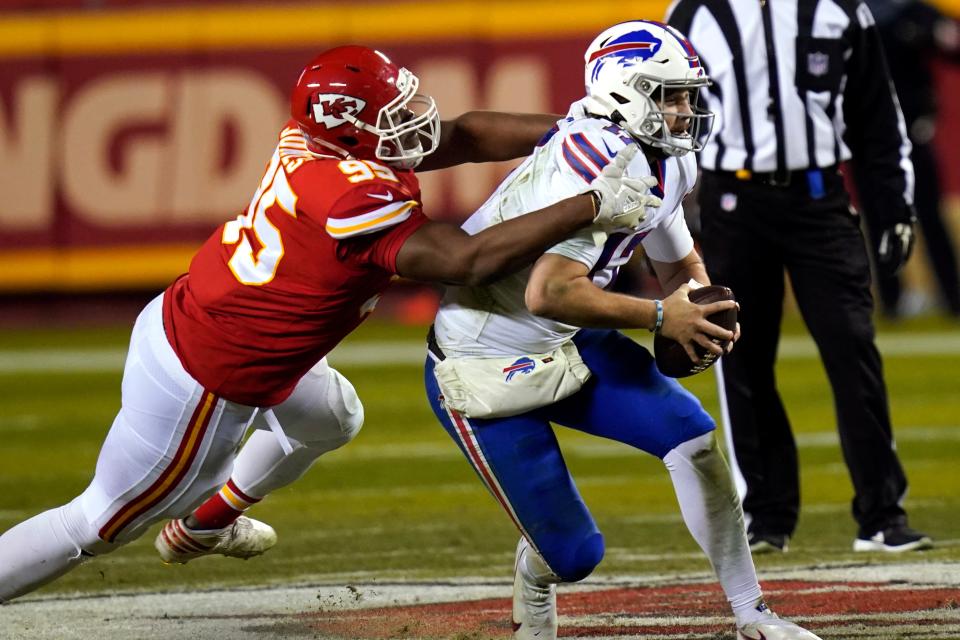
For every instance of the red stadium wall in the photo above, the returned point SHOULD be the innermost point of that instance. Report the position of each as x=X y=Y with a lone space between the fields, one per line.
x=123 y=145
x=948 y=128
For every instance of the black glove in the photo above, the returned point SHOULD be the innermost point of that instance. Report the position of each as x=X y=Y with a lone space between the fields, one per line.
x=896 y=243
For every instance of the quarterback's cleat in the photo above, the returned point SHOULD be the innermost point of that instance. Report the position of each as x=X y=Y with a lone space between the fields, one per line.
x=894 y=539
x=772 y=627
x=534 y=606
x=768 y=542
x=245 y=538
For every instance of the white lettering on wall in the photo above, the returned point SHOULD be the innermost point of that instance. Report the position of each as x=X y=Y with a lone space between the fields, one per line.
x=150 y=148
x=172 y=172
x=27 y=146
x=100 y=112
x=202 y=186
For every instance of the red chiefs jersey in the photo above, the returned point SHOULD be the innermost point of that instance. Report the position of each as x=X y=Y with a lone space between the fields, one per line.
x=272 y=292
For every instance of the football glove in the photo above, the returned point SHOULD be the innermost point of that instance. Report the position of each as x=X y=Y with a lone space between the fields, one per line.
x=896 y=243
x=621 y=199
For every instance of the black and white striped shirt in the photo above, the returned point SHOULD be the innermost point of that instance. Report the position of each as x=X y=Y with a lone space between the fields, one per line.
x=824 y=97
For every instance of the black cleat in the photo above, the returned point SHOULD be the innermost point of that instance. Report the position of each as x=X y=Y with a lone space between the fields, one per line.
x=768 y=542
x=894 y=539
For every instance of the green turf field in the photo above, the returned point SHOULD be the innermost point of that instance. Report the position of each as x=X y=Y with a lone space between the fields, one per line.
x=401 y=502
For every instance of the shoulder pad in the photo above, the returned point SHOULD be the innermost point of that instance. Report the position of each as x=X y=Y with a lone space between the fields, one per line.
x=587 y=149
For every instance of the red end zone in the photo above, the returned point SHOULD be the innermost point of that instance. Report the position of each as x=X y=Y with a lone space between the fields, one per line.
x=865 y=610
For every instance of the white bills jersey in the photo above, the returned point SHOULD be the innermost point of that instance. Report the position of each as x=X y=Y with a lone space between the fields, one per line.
x=493 y=320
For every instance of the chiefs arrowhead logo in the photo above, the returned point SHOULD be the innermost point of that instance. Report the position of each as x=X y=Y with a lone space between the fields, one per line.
x=329 y=108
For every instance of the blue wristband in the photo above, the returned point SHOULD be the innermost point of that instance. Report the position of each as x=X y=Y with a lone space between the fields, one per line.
x=659 y=324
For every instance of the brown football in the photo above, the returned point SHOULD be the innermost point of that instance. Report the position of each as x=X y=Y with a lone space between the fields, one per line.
x=671 y=358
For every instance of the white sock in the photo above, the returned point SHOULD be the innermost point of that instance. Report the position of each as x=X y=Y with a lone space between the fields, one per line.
x=756 y=610
x=712 y=513
x=41 y=549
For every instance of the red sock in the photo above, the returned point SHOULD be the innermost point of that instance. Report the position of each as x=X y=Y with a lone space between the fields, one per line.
x=222 y=509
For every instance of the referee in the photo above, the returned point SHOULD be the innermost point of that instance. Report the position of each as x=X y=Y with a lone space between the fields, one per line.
x=801 y=86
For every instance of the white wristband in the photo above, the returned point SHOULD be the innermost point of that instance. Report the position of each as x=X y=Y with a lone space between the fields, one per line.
x=659 y=323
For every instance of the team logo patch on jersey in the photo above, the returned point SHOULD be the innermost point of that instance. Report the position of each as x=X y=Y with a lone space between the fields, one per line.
x=728 y=201
x=818 y=63
x=524 y=365
x=329 y=108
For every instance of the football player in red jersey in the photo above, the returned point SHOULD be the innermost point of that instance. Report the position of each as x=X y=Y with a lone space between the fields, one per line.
x=241 y=339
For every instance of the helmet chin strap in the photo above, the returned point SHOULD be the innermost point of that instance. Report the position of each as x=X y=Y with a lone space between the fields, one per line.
x=678 y=150
x=665 y=143
x=399 y=161
x=338 y=151
x=661 y=146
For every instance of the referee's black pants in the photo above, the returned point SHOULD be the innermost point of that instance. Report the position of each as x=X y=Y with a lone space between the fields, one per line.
x=751 y=233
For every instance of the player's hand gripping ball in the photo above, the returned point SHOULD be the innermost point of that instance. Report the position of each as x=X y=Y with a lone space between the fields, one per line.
x=672 y=359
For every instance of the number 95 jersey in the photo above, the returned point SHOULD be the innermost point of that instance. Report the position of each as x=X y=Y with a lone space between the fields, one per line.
x=271 y=293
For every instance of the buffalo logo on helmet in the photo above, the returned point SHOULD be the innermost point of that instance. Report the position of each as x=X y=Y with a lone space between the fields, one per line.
x=626 y=50
x=523 y=365
x=329 y=108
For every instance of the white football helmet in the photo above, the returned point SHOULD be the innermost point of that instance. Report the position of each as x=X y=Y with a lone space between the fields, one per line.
x=631 y=67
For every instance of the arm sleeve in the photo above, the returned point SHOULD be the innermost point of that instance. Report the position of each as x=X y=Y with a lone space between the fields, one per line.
x=670 y=241
x=876 y=133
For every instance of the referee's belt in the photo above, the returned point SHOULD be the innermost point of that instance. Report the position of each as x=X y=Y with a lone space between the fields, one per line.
x=783 y=178
x=815 y=183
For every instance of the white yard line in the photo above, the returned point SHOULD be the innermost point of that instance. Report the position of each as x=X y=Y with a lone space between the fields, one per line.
x=412 y=352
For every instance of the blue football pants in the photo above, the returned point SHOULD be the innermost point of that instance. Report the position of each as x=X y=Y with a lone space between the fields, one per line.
x=519 y=459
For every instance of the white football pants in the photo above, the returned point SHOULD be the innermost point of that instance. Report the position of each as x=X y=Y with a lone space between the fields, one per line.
x=172 y=445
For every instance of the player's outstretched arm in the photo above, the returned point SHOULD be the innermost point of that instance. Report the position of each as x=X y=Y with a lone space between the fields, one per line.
x=560 y=289
x=487 y=136
x=443 y=253
x=440 y=252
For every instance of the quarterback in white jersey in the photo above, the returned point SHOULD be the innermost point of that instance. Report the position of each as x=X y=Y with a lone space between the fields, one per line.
x=509 y=359
x=495 y=320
